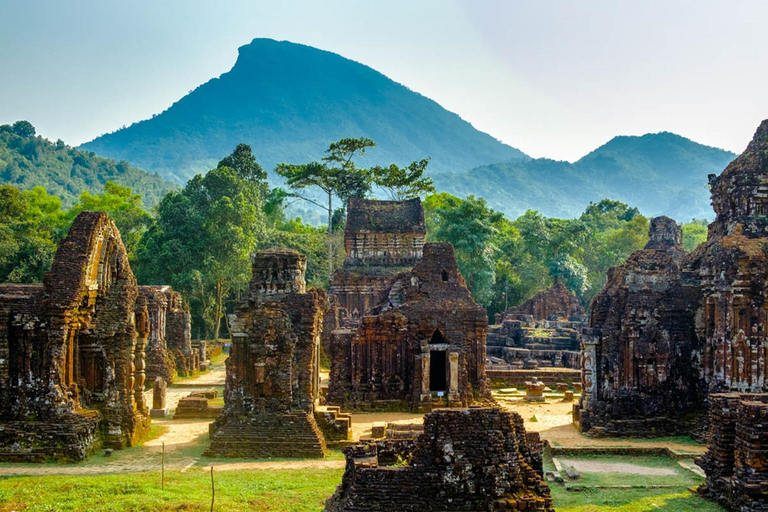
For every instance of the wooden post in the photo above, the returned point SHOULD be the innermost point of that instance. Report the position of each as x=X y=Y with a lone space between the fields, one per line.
x=162 y=469
x=213 y=490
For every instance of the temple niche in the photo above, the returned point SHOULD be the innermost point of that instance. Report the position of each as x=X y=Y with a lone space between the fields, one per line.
x=640 y=355
x=272 y=378
x=423 y=346
x=543 y=332
x=72 y=351
x=469 y=459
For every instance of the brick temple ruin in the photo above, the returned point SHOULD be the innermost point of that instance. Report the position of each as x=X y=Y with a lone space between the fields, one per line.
x=735 y=463
x=72 y=367
x=169 y=349
x=423 y=346
x=466 y=459
x=272 y=378
x=381 y=240
x=543 y=332
x=414 y=337
x=673 y=334
x=640 y=365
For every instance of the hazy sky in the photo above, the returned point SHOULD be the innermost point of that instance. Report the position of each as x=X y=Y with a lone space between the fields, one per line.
x=552 y=78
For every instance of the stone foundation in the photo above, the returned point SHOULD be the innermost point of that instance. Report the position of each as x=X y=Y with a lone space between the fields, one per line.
x=468 y=459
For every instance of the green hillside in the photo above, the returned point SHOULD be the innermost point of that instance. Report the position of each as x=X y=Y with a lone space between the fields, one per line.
x=660 y=173
x=288 y=102
x=27 y=161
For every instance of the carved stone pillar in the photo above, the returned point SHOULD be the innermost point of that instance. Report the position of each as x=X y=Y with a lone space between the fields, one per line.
x=590 y=340
x=454 y=398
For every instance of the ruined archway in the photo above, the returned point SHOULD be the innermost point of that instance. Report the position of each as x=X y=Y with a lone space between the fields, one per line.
x=98 y=328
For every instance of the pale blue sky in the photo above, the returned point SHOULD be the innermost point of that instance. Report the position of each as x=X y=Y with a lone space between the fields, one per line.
x=554 y=78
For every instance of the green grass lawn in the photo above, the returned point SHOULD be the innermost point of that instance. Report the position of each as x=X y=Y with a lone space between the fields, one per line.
x=281 y=490
x=601 y=491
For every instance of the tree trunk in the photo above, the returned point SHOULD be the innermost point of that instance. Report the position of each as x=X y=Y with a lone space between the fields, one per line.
x=330 y=235
x=217 y=307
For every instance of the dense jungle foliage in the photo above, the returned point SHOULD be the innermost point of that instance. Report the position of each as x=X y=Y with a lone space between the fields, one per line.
x=198 y=239
x=29 y=161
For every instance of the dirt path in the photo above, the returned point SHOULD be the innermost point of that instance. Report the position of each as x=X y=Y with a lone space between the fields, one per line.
x=592 y=466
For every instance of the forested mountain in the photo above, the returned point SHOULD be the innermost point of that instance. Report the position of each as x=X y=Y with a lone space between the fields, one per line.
x=659 y=173
x=27 y=161
x=288 y=102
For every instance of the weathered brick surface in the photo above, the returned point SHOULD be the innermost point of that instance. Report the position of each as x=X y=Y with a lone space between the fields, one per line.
x=427 y=337
x=640 y=356
x=553 y=303
x=381 y=240
x=72 y=350
x=698 y=321
x=735 y=464
x=160 y=362
x=273 y=370
x=466 y=460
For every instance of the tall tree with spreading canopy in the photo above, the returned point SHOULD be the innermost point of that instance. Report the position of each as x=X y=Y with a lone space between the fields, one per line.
x=336 y=175
x=202 y=239
x=401 y=183
x=470 y=225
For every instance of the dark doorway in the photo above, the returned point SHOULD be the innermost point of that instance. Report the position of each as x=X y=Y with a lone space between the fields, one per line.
x=437 y=373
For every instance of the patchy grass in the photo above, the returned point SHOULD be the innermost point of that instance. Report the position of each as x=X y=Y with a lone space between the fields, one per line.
x=603 y=493
x=284 y=490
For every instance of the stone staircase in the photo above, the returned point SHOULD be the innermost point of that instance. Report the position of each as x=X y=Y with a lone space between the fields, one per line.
x=266 y=435
x=335 y=425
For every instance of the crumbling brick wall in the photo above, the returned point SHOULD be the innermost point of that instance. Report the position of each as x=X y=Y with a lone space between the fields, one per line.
x=160 y=362
x=273 y=371
x=556 y=302
x=640 y=366
x=178 y=334
x=468 y=459
x=735 y=465
x=381 y=240
x=74 y=373
x=424 y=344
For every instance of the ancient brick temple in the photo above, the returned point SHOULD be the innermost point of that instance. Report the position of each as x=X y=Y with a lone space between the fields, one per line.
x=72 y=351
x=640 y=368
x=735 y=463
x=542 y=332
x=169 y=347
x=422 y=345
x=669 y=328
x=466 y=460
x=554 y=303
x=381 y=240
x=272 y=372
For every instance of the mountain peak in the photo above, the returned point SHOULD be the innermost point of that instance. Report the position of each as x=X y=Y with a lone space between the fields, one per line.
x=289 y=102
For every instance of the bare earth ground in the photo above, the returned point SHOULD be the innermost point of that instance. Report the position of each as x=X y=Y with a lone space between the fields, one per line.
x=185 y=440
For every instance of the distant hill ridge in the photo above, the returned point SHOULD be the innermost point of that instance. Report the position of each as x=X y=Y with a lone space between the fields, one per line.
x=28 y=160
x=289 y=101
x=660 y=173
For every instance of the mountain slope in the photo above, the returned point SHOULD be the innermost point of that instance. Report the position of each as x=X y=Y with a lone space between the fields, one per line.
x=27 y=161
x=661 y=174
x=289 y=101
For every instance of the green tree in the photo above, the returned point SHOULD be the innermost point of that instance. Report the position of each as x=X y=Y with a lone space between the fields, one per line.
x=23 y=129
x=123 y=206
x=402 y=183
x=470 y=225
x=244 y=164
x=694 y=233
x=28 y=221
x=336 y=175
x=202 y=239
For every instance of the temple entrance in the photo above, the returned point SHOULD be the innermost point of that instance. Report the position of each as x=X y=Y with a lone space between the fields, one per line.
x=437 y=371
